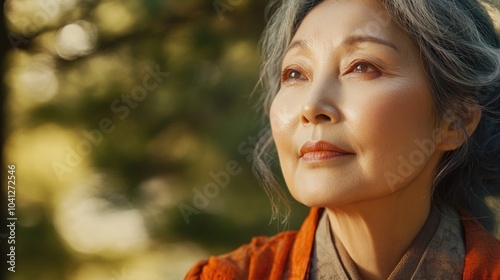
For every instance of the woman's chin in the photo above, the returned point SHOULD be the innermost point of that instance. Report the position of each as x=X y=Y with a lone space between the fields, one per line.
x=322 y=199
x=336 y=197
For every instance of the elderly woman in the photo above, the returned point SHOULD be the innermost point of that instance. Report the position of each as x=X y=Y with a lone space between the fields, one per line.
x=386 y=119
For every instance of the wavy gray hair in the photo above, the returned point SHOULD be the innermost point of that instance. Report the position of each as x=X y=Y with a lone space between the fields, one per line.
x=461 y=53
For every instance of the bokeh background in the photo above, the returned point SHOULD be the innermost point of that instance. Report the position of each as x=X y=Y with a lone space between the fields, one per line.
x=118 y=115
x=131 y=125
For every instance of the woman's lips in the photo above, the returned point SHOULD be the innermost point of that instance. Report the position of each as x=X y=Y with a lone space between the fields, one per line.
x=321 y=150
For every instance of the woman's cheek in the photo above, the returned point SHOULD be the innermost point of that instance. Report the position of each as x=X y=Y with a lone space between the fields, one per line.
x=284 y=120
x=388 y=127
x=284 y=113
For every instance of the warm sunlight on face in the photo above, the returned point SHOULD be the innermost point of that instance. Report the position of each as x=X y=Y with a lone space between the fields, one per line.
x=354 y=108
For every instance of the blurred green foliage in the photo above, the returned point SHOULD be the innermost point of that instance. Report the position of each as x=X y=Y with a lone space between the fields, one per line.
x=101 y=201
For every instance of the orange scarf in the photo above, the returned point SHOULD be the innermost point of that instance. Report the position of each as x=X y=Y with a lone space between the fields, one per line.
x=286 y=255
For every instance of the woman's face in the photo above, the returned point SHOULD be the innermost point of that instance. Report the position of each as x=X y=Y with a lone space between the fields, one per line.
x=353 y=120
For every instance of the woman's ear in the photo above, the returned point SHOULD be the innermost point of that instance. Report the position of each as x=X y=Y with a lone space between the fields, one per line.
x=456 y=128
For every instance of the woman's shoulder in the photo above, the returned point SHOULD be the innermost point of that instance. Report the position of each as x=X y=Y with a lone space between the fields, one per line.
x=286 y=253
x=261 y=256
x=482 y=259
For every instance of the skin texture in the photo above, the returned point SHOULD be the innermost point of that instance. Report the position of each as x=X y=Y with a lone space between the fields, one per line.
x=351 y=77
x=366 y=98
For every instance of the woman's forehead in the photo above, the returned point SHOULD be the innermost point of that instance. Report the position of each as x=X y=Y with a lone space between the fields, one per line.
x=349 y=23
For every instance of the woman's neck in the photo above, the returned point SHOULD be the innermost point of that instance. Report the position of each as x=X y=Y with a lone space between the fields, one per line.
x=377 y=233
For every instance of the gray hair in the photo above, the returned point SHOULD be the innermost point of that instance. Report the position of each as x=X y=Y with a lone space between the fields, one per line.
x=460 y=48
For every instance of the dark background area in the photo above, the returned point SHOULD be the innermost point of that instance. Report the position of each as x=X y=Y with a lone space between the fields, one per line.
x=119 y=113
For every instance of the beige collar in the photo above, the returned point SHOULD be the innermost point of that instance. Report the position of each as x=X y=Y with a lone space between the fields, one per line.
x=437 y=252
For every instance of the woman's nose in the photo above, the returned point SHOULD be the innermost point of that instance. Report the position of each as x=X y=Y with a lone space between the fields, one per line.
x=319 y=107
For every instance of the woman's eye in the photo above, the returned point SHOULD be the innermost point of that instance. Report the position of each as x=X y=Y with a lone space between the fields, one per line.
x=363 y=68
x=292 y=75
